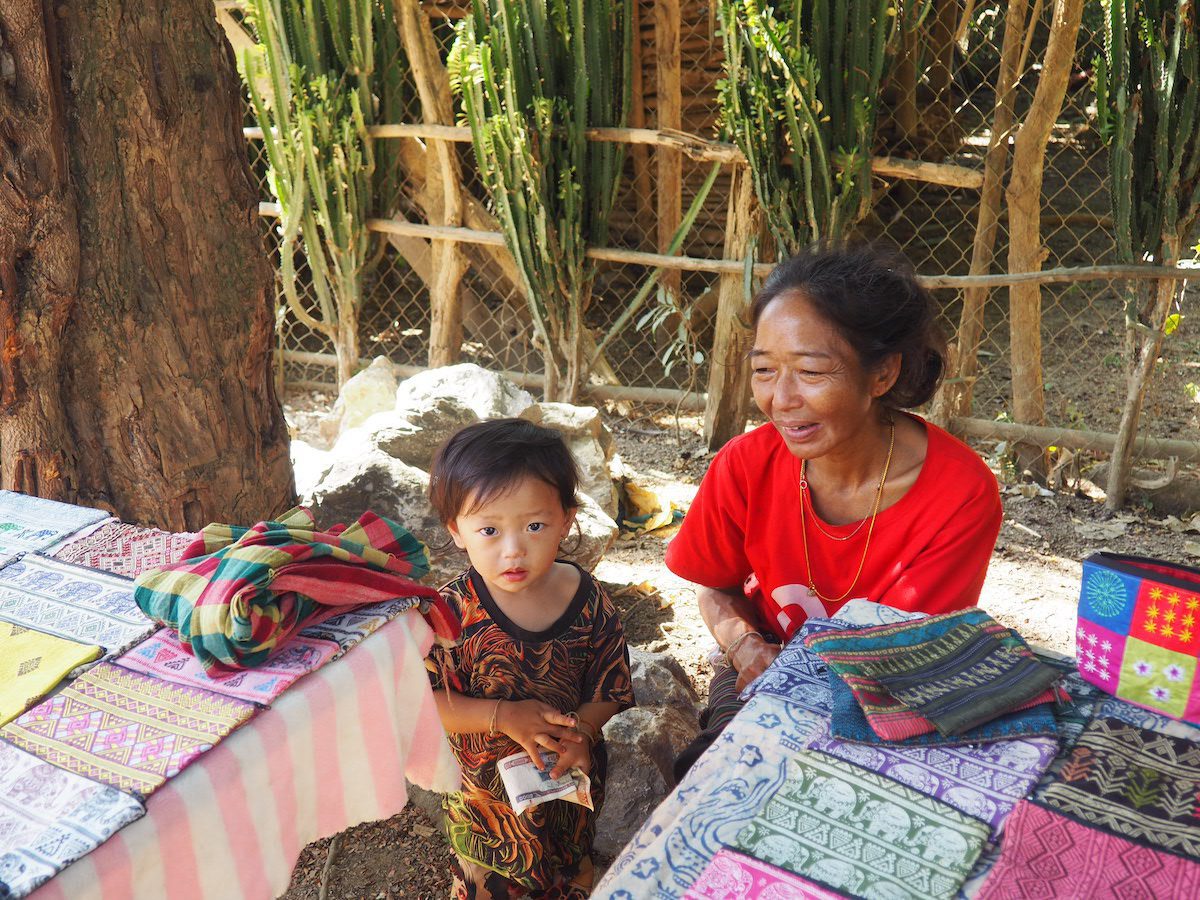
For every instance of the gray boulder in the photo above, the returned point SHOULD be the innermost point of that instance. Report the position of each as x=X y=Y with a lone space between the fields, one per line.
x=589 y=442
x=414 y=436
x=659 y=680
x=370 y=391
x=488 y=395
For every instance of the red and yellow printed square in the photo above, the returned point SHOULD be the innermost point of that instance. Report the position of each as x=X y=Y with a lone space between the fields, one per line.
x=1167 y=617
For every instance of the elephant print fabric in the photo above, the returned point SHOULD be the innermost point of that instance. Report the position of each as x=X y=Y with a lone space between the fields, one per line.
x=72 y=602
x=862 y=833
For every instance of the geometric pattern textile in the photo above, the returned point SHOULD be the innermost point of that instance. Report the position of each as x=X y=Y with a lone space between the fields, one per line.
x=32 y=664
x=240 y=592
x=735 y=876
x=1112 y=708
x=797 y=674
x=72 y=602
x=1047 y=855
x=163 y=656
x=50 y=817
x=962 y=678
x=125 y=550
x=1138 y=784
x=851 y=652
x=851 y=724
x=125 y=729
x=1138 y=634
x=984 y=781
x=29 y=523
x=863 y=834
x=349 y=628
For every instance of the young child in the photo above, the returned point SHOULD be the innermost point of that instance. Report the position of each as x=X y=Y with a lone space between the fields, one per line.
x=541 y=664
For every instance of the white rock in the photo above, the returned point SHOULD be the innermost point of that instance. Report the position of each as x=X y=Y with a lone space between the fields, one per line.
x=589 y=442
x=488 y=395
x=370 y=391
x=310 y=465
x=595 y=534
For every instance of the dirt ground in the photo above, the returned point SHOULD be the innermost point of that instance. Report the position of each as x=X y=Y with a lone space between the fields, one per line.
x=1032 y=585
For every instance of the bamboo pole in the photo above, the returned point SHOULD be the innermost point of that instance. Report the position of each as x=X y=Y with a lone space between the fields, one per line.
x=727 y=403
x=1026 y=252
x=670 y=163
x=1092 y=441
x=443 y=186
x=954 y=399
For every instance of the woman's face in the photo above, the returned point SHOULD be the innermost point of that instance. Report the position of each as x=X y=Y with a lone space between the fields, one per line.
x=808 y=381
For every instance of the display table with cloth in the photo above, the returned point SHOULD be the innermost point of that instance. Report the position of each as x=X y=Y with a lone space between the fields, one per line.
x=331 y=752
x=759 y=789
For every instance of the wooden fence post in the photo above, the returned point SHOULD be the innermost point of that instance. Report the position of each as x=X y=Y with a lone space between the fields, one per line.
x=443 y=184
x=670 y=115
x=728 y=401
x=1026 y=253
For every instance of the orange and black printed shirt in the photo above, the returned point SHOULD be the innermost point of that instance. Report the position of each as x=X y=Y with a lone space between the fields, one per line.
x=581 y=658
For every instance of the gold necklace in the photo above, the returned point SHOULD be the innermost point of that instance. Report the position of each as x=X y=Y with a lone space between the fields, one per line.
x=870 y=526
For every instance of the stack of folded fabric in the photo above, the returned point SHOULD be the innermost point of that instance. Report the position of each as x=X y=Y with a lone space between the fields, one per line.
x=959 y=678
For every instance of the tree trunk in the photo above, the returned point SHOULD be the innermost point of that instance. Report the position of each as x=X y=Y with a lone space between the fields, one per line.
x=1024 y=217
x=136 y=314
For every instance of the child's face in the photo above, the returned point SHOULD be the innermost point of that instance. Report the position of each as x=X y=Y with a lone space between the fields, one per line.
x=513 y=539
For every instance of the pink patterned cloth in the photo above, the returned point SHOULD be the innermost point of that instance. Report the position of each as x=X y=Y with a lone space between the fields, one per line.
x=164 y=656
x=127 y=550
x=734 y=876
x=1047 y=855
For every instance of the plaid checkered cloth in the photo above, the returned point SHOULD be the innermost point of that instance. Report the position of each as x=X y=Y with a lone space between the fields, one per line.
x=240 y=592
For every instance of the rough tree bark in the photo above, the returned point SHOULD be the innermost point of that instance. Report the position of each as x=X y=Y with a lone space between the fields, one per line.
x=136 y=310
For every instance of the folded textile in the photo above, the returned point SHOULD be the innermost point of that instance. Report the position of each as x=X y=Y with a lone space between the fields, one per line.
x=72 y=602
x=1112 y=708
x=864 y=613
x=849 y=723
x=29 y=523
x=1045 y=854
x=240 y=592
x=961 y=678
x=125 y=729
x=163 y=656
x=125 y=550
x=984 y=781
x=1132 y=782
x=32 y=664
x=797 y=674
x=349 y=628
x=862 y=833
x=50 y=817
x=847 y=652
x=735 y=876
x=1074 y=714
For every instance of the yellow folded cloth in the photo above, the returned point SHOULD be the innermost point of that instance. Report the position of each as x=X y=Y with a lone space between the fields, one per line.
x=32 y=664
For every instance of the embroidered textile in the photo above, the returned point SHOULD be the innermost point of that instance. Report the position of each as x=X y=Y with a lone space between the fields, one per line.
x=961 y=678
x=29 y=523
x=864 y=613
x=1074 y=714
x=348 y=628
x=126 y=550
x=163 y=656
x=50 y=817
x=735 y=876
x=240 y=592
x=728 y=785
x=72 y=602
x=797 y=674
x=1048 y=855
x=985 y=781
x=862 y=833
x=850 y=723
x=847 y=653
x=125 y=729
x=1112 y=708
x=1139 y=784
x=32 y=664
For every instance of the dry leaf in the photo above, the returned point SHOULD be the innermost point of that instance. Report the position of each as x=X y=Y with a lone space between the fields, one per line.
x=1101 y=531
x=1191 y=548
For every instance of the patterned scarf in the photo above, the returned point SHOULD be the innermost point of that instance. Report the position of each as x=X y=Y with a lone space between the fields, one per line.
x=29 y=524
x=241 y=592
x=32 y=664
x=126 y=550
x=735 y=876
x=1139 y=784
x=862 y=833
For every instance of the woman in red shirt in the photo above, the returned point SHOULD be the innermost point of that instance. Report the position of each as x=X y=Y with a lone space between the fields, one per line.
x=841 y=494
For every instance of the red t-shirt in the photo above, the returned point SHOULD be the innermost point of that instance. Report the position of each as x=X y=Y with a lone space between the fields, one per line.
x=929 y=551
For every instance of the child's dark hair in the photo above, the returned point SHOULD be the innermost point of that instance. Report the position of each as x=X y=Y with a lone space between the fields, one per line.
x=482 y=461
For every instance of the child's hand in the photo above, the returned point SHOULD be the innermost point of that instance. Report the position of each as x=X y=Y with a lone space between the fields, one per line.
x=574 y=756
x=534 y=724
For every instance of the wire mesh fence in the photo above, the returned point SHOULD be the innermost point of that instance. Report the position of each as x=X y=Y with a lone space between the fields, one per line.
x=1083 y=322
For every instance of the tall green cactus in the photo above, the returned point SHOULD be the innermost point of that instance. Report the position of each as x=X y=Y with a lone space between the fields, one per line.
x=312 y=85
x=1148 y=93
x=533 y=75
x=800 y=98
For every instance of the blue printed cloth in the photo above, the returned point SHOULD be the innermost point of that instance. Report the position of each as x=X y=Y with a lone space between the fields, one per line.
x=797 y=674
x=28 y=524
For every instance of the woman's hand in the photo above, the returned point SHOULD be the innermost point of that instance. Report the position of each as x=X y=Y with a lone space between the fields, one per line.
x=751 y=659
x=534 y=724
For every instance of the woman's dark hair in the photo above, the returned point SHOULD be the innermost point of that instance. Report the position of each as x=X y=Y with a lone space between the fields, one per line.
x=871 y=296
x=482 y=461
